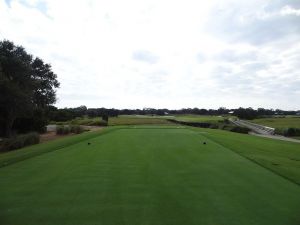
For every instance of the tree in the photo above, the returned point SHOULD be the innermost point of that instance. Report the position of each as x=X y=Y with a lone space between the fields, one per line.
x=45 y=82
x=247 y=113
x=105 y=118
x=26 y=84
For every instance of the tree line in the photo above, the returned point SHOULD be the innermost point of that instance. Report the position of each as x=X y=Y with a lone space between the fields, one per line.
x=28 y=91
x=65 y=114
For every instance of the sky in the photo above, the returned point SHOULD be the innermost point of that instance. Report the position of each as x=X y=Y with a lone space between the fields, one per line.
x=163 y=54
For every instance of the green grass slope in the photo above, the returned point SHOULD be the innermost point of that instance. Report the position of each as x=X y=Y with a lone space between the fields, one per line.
x=11 y=157
x=136 y=120
x=199 y=118
x=146 y=176
x=284 y=122
x=282 y=157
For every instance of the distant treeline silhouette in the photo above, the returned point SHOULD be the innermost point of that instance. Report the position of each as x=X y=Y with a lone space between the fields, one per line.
x=65 y=114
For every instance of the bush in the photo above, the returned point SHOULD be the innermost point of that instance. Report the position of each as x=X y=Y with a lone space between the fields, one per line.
x=290 y=132
x=279 y=131
x=19 y=141
x=61 y=130
x=97 y=123
x=76 y=129
x=214 y=126
x=243 y=130
x=226 y=121
x=105 y=118
x=234 y=128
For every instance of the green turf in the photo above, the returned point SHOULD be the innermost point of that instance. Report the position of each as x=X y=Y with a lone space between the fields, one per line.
x=34 y=150
x=146 y=176
x=282 y=157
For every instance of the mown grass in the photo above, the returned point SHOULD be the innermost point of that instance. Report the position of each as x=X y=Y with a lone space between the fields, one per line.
x=152 y=175
x=11 y=157
x=282 y=157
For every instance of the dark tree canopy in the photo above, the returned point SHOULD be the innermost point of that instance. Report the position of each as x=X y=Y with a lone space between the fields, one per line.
x=27 y=84
x=45 y=82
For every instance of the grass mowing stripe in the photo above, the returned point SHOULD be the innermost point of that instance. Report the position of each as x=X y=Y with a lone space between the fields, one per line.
x=262 y=151
x=253 y=161
x=150 y=176
x=15 y=156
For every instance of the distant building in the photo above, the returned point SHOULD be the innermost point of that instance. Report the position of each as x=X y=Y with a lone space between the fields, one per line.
x=231 y=112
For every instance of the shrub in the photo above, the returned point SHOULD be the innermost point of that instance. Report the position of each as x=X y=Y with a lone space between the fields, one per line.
x=214 y=126
x=76 y=129
x=234 y=128
x=58 y=123
x=243 y=130
x=105 y=118
x=31 y=138
x=226 y=121
x=97 y=123
x=226 y=127
x=19 y=141
x=290 y=132
x=279 y=131
x=66 y=130
x=60 y=130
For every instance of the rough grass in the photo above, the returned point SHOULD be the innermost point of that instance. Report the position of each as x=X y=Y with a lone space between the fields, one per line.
x=199 y=118
x=144 y=119
x=284 y=122
x=152 y=176
x=136 y=120
x=120 y=120
x=97 y=121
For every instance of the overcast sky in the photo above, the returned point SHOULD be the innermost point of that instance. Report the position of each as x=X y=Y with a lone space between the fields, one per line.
x=159 y=53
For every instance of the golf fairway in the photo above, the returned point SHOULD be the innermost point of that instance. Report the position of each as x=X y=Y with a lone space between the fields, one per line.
x=143 y=176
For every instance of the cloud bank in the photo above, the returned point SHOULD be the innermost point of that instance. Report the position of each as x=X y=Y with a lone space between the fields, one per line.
x=134 y=54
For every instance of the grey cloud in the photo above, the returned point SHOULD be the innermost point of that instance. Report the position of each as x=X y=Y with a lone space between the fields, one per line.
x=254 y=66
x=233 y=56
x=253 y=24
x=145 y=56
x=284 y=83
x=278 y=4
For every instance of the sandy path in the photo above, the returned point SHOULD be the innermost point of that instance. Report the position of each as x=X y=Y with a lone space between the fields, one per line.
x=278 y=137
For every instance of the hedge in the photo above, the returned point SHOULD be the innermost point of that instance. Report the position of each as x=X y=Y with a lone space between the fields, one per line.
x=20 y=141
